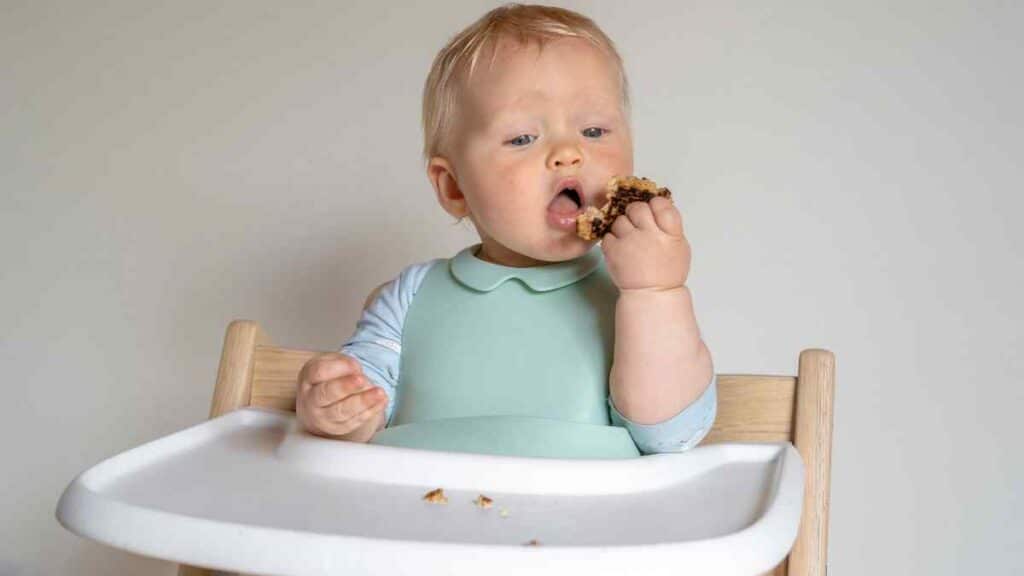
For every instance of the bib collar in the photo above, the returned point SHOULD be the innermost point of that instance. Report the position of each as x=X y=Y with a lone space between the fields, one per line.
x=484 y=276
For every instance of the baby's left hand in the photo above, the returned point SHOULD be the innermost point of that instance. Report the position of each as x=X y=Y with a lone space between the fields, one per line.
x=646 y=248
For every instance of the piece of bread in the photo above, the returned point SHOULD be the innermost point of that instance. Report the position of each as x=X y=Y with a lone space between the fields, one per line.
x=594 y=223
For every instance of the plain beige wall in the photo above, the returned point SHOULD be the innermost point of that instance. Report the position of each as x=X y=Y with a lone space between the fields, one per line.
x=849 y=175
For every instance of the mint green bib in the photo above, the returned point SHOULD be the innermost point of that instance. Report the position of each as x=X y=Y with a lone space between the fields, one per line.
x=510 y=361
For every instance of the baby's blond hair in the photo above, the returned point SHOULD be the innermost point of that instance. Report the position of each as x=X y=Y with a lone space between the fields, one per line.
x=457 y=60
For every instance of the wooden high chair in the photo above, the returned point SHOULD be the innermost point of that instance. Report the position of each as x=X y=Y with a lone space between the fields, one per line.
x=751 y=408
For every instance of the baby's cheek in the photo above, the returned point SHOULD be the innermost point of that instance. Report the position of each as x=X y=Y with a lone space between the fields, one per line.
x=616 y=160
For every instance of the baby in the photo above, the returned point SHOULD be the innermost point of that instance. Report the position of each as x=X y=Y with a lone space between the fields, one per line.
x=534 y=327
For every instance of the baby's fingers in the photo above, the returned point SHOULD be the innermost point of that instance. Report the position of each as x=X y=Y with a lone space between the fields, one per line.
x=346 y=415
x=327 y=367
x=667 y=216
x=639 y=213
x=622 y=227
x=326 y=393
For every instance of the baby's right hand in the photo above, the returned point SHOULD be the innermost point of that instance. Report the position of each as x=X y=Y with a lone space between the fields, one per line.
x=335 y=399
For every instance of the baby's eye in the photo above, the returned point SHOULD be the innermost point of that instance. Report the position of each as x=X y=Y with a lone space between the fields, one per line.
x=519 y=140
x=594 y=132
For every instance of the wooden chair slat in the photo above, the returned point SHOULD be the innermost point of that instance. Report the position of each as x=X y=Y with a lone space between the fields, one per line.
x=275 y=374
x=754 y=408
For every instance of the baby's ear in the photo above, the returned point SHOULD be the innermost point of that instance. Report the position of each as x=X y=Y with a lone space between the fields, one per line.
x=449 y=195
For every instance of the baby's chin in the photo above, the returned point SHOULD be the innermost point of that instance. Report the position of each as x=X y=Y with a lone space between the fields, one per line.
x=561 y=249
x=537 y=249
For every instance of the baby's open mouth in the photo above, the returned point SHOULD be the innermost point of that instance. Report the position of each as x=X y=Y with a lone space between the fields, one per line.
x=567 y=202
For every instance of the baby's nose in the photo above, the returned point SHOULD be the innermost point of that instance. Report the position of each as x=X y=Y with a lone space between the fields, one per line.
x=564 y=156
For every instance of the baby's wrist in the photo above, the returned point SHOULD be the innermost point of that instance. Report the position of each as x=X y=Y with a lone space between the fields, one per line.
x=652 y=291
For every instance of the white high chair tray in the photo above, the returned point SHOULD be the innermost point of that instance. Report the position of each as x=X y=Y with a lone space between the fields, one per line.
x=251 y=492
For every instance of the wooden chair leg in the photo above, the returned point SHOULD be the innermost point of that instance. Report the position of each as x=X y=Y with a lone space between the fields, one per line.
x=812 y=435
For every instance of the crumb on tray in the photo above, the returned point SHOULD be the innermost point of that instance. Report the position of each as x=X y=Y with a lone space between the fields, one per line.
x=436 y=496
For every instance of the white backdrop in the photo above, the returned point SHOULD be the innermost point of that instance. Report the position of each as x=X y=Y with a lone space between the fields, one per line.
x=849 y=175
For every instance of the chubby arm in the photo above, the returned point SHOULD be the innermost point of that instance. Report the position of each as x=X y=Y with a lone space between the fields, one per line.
x=661 y=363
x=661 y=380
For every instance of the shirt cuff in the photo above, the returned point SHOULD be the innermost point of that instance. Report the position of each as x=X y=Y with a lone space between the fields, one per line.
x=370 y=361
x=680 y=432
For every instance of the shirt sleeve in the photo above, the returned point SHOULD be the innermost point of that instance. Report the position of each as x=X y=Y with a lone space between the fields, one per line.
x=377 y=340
x=680 y=432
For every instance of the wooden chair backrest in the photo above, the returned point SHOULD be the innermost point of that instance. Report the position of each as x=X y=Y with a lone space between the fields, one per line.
x=751 y=408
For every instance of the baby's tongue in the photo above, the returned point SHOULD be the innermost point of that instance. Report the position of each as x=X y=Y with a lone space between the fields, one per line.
x=563 y=205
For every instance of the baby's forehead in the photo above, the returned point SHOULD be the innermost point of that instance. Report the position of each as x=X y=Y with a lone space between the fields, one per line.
x=499 y=53
x=506 y=75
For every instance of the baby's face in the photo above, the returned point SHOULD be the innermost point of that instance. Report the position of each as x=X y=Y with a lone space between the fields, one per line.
x=534 y=120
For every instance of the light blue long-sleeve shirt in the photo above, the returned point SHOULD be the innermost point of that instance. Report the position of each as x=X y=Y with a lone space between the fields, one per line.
x=377 y=345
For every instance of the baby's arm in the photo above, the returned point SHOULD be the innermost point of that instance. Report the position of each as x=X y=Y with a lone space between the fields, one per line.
x=370 y=358
x=335 y=399
x=662 y=384
x=662 y=380
x=661 y=363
